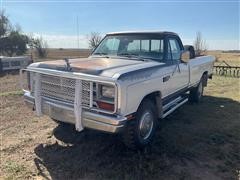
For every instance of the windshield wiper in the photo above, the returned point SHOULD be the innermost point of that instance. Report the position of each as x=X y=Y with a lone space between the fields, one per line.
x=102 y=55
x=133 y=55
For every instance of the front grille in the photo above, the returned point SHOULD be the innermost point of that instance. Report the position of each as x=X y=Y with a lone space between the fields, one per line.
x=63 y=89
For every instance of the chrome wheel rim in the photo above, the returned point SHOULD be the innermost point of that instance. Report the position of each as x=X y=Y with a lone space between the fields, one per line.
x=146 y=125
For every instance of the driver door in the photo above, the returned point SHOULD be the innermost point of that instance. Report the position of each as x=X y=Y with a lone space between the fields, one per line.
x=179 y=71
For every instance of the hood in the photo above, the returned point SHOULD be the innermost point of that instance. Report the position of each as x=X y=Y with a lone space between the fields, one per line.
x=95 y=66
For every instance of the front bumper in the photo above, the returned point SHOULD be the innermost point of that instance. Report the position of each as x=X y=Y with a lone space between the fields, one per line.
x=64 y=112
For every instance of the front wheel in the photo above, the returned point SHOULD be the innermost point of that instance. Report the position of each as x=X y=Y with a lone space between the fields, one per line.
x=140 y=131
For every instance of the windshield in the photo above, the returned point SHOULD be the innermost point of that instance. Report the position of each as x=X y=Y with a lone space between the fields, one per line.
x=131 y=46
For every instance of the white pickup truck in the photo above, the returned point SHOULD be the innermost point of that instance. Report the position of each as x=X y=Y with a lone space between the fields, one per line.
x=128 y=83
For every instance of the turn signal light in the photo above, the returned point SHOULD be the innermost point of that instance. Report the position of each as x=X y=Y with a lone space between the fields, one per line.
x=105 y=106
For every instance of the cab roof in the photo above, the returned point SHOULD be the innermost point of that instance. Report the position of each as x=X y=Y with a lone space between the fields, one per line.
x=142 y=32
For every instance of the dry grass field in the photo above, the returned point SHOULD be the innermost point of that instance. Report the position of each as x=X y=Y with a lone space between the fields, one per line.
x=54 y=54
x=197 y=141
x=232 y=59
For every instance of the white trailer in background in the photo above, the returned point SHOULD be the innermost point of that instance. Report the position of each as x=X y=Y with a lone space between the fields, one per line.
x=14 y=63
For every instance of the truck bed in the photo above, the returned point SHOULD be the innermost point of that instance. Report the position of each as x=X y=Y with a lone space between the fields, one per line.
x=198 y=66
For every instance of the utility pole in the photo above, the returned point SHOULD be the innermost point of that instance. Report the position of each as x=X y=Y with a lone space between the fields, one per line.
x=77 y=33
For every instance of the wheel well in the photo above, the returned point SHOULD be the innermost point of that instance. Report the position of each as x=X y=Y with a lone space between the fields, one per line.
x=205 y=73
x=156 y=98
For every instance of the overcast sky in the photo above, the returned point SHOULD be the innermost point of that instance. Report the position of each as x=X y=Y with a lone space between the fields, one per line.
x=56 y=20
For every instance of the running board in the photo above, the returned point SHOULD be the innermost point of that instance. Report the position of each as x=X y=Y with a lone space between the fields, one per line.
x=173 y=105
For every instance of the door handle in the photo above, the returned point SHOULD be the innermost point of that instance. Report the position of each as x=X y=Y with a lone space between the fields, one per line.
x=166 y=78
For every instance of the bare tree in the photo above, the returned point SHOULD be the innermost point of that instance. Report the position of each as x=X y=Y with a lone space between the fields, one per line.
x=200 y=45
x=94 y=39
x=40 y=45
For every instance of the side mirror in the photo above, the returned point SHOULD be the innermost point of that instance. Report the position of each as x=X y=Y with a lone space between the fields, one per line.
x=185 y=56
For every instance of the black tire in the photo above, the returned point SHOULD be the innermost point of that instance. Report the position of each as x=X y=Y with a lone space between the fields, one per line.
x=196 y=93
x=133 y=136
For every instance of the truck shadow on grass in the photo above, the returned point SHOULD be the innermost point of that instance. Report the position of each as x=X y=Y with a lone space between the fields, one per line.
x=196 y=141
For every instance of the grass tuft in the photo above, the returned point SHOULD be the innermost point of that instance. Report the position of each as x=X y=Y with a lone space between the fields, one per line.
x=12 y=93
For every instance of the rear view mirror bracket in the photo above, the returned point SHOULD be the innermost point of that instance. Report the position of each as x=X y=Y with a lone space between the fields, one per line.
x=185 y=56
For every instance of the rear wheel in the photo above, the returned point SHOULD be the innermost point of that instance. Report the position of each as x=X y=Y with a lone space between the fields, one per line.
x=196 y=93
x=140 y=131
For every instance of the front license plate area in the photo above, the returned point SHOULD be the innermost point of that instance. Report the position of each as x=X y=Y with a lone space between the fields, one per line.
x=56 y=112
x=62 y=114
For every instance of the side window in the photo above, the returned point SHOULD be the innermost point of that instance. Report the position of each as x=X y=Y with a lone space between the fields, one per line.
x=174 y=50
x=157 y=45
x=145 y=45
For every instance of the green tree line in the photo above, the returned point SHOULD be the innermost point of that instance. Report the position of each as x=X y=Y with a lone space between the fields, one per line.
x=13 y=42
